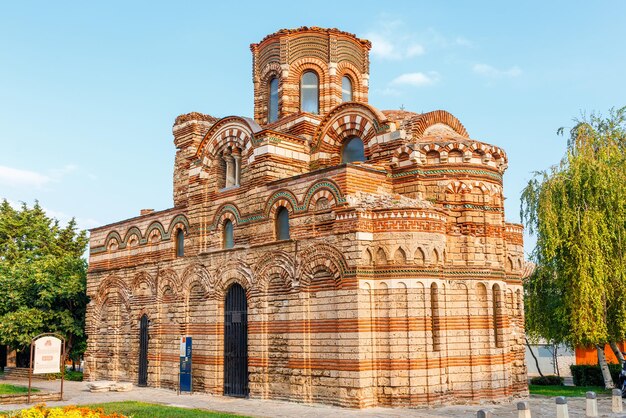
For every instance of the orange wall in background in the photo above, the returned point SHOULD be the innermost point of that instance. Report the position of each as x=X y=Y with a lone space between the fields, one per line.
x=589 y=355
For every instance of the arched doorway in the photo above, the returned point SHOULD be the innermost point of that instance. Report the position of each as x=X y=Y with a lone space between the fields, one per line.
x=236 y=342
x=143 y=351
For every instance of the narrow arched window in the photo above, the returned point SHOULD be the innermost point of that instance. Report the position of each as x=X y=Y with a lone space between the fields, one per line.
x=282 y=223
x=434 y=317
x=229 y=239
x=346 y=89
x=353 y=150
x=180 y=243
x=309 y=93
x=498 y=334
x=272 y=112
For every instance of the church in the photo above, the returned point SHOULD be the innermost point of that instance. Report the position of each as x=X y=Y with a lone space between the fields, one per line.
x=323 y=251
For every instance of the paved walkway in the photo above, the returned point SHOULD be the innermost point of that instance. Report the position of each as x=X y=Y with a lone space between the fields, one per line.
x=77 y=393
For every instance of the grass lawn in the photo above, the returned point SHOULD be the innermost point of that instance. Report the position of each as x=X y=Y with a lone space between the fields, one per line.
x=565 y=390
x=12 y=389
x=147 y=410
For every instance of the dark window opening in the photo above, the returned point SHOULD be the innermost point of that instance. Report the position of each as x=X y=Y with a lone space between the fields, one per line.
x=272 y=115
x=229 y=240
x=353 y=150
x=180 y=243
x=282 y=224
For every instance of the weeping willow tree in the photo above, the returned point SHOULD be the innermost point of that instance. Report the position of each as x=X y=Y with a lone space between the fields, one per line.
x=577 y=210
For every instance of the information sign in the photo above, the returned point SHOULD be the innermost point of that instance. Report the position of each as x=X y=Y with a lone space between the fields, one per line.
x=47 y=355
x=185 y=380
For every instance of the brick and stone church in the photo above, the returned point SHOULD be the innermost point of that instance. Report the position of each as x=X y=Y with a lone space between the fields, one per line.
x=322 y=251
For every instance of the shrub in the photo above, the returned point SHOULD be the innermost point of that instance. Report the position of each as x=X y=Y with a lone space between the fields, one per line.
x=586 y=375
x=74 y=376
x=547 y=380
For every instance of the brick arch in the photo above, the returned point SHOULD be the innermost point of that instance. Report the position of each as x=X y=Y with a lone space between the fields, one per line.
x=458 y=187
x=227 y=210
x=143 y=277
x=322 y=257
x=349 y=69
x=400 y=255
x=270 y=70
x=280 y=198
x=149 y=311
x=132 y=231
x=419 y=257
x=414 y=156
x=300 y=66
x=262 y=93
x=435 y=257
x=292 y=82
x=425 y=120
x=348 y=119
x=169 y=278
x=271 y=264
x=109 y=283
x=155 y=226
x=455 y=146
x=233 y=271
x=323 y=188
x=367 y=257
x=197 y=274
x=178 y=222
x=381 y=256
x=113 y=236
x=229 y=130
x=95 y=342
x=99 y=303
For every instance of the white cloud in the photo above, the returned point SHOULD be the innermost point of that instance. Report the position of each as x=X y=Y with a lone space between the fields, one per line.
x=22 y=178
x=62 y=217
x=390 y=41
x=67 y=169
x=390 y=92
x=414 y=50
x=16 y=177
x=461 y=41
x=418 y=79
x=487 y=70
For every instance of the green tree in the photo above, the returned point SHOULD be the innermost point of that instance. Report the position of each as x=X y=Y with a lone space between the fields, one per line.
x=42 y=278
x=577 y=210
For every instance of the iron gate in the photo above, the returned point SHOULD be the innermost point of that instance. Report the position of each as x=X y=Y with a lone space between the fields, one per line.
x=236 y=342
x=143 y=351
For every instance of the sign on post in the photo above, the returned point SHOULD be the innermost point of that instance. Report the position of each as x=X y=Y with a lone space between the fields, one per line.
x=184 y=374
x=47 y=355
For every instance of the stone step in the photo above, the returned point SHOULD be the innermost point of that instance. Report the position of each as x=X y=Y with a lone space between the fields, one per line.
x=22 y=373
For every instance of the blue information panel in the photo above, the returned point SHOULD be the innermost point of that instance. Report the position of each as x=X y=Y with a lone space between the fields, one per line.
x=185 y=364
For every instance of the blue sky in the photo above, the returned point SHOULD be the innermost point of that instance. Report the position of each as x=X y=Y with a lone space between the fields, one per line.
x=89 y=92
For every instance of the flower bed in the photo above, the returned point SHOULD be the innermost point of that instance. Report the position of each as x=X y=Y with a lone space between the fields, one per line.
x=40 y=411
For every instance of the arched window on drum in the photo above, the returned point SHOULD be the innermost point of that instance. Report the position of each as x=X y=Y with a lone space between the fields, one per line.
x=309 y=93
x=272 y=108
x=346 y=89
